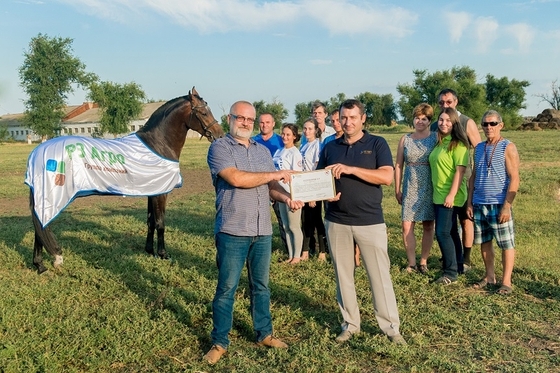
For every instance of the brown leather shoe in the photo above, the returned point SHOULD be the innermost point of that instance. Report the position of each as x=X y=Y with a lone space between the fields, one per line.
x=214 y=354
x=272 y=341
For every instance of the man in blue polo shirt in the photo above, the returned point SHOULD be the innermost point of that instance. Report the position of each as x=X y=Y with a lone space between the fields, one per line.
x=361 y=163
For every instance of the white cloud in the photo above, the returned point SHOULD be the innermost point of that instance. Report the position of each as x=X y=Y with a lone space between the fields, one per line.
x=523 y=33
x=486 y=32
x=343 y=17
x=208 y=16
x=457 y=23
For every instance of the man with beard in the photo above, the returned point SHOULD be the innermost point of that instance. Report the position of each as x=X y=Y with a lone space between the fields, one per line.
x=245 y=180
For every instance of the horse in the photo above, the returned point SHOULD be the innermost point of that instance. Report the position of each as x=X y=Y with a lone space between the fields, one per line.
x=164 y=134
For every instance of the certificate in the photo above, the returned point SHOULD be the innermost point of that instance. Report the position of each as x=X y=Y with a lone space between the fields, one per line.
x=312 y=186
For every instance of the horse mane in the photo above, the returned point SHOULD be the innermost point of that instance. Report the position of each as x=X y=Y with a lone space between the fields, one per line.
x=162 y=112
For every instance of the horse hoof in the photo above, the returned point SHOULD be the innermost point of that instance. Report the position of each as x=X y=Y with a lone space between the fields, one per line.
x=58 y=261
x=41 y=269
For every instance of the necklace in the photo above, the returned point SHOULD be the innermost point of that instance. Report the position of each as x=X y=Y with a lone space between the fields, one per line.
x=489 y=160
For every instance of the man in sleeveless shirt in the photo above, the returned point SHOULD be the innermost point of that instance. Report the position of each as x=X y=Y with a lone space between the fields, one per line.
x=448 y=98
x=492 y=189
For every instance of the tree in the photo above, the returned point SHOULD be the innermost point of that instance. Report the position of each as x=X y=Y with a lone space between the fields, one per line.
x=119 y=105
x=47 y=76
x=276 y=108
x=507 y=97
x=302 y=112
x=4 y=134
x=380 y=109
x=426 y=88
x=554 y=98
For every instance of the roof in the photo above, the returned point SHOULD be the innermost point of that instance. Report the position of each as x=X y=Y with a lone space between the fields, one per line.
x=87 y=112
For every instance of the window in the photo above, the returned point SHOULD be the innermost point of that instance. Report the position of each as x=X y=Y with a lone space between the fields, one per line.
x=89 y=130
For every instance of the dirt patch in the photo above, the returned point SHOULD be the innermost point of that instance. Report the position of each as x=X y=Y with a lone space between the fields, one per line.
x=194 y=182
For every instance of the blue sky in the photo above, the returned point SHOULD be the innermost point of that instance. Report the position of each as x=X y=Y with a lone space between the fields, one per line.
x=289 y=51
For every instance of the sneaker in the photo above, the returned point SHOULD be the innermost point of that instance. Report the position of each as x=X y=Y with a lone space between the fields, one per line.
x=397 y=339
x=214 y=354
x=466 y=268
x=344 y=336
x=273 y=342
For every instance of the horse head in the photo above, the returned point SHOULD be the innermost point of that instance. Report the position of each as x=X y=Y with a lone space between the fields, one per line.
x=208 y=125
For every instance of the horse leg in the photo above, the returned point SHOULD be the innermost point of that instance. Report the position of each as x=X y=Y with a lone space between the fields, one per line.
x=151 y=222
x=159 y=212
x=44 y=238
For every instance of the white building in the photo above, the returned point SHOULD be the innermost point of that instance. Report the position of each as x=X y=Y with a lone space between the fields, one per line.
x=80 y=120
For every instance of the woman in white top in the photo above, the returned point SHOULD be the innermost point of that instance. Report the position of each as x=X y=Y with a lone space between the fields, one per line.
x=289 y=158
x=312 y=211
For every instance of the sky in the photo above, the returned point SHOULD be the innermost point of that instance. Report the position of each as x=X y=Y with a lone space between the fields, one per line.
x=285 y=51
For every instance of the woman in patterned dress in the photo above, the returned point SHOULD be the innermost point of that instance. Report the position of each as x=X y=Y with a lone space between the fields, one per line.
x=413 y=187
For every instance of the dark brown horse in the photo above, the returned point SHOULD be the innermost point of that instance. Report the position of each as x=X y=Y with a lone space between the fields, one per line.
x=164 y=133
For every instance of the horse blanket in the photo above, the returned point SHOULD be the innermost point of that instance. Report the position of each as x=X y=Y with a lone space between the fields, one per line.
x=67 y=167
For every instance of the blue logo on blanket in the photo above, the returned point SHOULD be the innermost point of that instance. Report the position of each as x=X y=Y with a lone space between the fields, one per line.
x=59 y=168
x=51 y=165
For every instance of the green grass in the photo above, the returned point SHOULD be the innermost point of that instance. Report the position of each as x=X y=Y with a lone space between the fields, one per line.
x=112 y=308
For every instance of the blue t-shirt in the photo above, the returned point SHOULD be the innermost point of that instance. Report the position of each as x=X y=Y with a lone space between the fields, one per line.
x=272 y=144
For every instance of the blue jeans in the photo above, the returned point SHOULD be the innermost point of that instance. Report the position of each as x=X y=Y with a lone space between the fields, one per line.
x=447 y=235
x=232 y=253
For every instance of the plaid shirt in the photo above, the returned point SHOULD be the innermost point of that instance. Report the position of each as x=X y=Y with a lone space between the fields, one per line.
x=239 y=211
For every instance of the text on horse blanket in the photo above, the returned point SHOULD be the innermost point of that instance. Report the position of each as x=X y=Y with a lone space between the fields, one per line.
x=67 y=167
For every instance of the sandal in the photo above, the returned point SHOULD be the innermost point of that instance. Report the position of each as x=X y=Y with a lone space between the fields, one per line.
x=411 y=269
x=482 y=284
x=423 y=269
x=444 y=280
x=504 y=290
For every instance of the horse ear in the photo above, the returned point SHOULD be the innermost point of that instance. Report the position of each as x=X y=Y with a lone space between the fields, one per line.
x=194 y=92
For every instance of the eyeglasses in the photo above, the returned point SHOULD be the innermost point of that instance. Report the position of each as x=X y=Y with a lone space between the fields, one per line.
x=241 y=119
x=448 y=102
x=493 y=124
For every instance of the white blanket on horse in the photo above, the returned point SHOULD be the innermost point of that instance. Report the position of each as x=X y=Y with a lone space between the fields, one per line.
x=67 y=167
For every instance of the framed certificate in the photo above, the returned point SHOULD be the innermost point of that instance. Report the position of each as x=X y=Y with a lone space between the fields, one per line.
x=312 y=186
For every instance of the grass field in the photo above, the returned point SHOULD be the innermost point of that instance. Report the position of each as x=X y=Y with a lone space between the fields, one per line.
x=112 y=308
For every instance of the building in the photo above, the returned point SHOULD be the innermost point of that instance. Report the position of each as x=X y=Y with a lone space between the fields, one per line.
x=80 y=120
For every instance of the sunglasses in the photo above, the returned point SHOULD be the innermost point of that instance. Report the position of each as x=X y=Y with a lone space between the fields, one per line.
x=493 y=124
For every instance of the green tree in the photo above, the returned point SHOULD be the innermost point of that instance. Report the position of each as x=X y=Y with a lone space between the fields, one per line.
x=119 y=105
x=302 y=111
x=426 y=88
x=47 y=75
x=507 y=97
x=554 y=98
x=380 y=109
x=4 y=134
x=276 y=108
x=334 y=102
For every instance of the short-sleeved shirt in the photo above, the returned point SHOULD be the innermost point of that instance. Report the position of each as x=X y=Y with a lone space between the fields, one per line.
x=443 y=163
x=310 y=152
x=272 y=144
x=360 y=201
x=288 y=159
x=240 y=211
